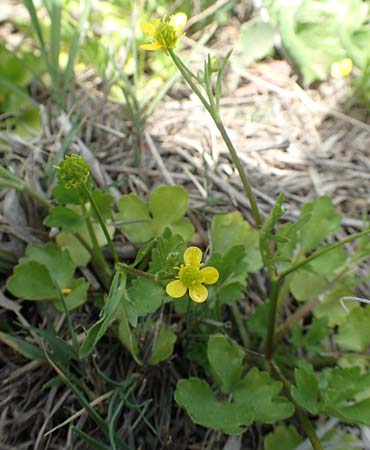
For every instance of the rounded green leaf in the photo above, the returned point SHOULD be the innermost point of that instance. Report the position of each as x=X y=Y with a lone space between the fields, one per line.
x=227 y=231
x=197 y=398
x=163 y=347
x=306 y=393
x=64 y=218
x=226 y=358
x=282 y=437
x=324 y=221
x=354 y=333
x=305 y=285
x=330 y=306
x=256 y=41
x=78 y=253
x=183 y=228
x=146 y=295
x=168 y=204
x=261 y=392
x=58 y=262
x=76 y=298
x=31 y=281
x=133 y=208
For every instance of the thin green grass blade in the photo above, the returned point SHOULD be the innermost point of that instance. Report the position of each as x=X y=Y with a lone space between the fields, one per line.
x=66 y=377
x=55 y=12
x=36 y=26
x=73 y=50
x=114 y=409
x=61 y=349
x=125 y=384
x=96 y=332
x=13 y=87
x=92 y=442
x=23 y=347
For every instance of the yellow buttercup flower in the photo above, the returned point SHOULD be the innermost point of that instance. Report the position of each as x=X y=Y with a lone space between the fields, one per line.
x=341 y=69
x=166 y=32
x=192 y=277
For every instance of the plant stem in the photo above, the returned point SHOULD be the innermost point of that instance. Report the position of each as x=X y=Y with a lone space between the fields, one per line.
x=322 y=251
x=240 y=324
x=102 y=224
x=39 y=198
x=137 y=272
x=7 y=179
x=243 y=176
x=274 y=296
x=301 y=414
x=215 y=116
x=100 y=263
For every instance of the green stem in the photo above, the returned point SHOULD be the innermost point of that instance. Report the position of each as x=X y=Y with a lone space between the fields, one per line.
x=102 y=224
x=100 y=263
x=242 y=174
x=274 y=296
x=7 y=179
x=240 y=324
x=137 y=272
x=11 y=184
x=187 y=76
x=322 y=251
x=300 y=413
x=215 y=116
x=39 y=198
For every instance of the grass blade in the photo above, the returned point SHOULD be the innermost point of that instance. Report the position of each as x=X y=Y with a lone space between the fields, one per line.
x=75 y=44
x=36 y=26
x=92 y=442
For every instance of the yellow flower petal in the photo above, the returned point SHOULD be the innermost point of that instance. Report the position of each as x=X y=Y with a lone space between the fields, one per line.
x=341 y=69
x=178 y=21
x=193 y=256
x=152 y=46
x=176 y=289
x=198 y=293
x=209 y=275
x=148 y=28
x=66 y=291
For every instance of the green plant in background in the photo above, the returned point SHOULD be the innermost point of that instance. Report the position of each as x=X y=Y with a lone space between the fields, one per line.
x=321 y=38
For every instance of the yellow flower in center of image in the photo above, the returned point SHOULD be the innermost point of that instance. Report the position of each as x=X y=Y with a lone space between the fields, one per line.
x=165 y=32
x=191 y=277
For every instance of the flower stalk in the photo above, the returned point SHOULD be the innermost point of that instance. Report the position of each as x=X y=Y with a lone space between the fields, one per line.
x=102 y=224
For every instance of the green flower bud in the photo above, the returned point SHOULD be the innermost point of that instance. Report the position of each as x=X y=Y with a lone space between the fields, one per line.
x=73 y=171
x=216 y=63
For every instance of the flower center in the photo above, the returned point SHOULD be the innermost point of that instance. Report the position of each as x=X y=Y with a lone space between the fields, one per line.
x=189 y=275
x=166 y=35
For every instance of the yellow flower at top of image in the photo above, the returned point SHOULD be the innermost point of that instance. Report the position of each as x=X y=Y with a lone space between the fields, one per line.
x=165 y=32
x=341 y=69
x=191 y=277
